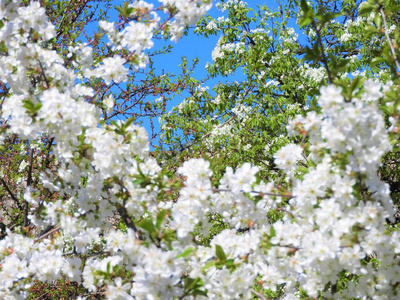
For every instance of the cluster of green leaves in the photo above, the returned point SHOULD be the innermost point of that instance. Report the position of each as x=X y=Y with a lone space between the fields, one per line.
x=137 y=100
x=269 y=53
x=340 y=40
x=276 y=83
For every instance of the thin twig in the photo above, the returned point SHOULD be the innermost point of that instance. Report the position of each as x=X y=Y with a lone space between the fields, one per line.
x=47 y=156
x=128 y=220
x=279 y=107
x=59 y=31
x=121 y=209
x=281 y=13
x=44 y=75
x=28 y=183
x=3 y=99
x=257 y=192
x=219 y=126
x=9 y=191
x=390 y=41
x=321 y=46
x=47 y=234
x=259 y=295
x=43 y=295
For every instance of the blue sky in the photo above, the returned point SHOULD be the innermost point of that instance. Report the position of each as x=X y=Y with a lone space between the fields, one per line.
x=192 y=46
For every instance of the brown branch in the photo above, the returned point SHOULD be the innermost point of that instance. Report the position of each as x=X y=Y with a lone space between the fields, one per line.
x=47 y=234
x=321 y=46
x=259 y=295
x=127 y=219
x=44 y=295
x=257 y=192
x=28 y=183
x=47 y=155
x=9 y=191
x=44 y=75
x=390 y=42
x=4 y=98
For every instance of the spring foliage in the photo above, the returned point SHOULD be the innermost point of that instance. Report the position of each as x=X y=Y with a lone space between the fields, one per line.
x=281 y=186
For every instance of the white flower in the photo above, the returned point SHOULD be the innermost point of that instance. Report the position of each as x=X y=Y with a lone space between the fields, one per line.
x=112 y=69
x=72 y=268
x=330 y=96
x=287 y=157
x=137 y=36
x=372 y=90
x=196 y=169
x=22 y=166
x=118 y=291
x=243 y=178
x=345 y=37
x=109 y=102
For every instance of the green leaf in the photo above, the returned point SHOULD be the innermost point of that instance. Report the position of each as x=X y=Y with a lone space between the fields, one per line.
x=37 y=106
x=370 y=30
x=199 y=292
x=129 y=11
x=312 y=53
x=113 y=123
x=219 y=252
x=124 y=10
x=147 y=224
x=378 y=20
x=272 y=232
x=394 y=8
x=28 y=104
x=208 y=265
x=302 y=169
x=355 y=84
x=191 y=284
x=324 y=17
x=138 y=181
x=109 y=267
x=304 y=21
x=365 y=8
x=304 y=6
x=119 y=9
x=342 y=65
x=308 y=14
x=230 y=263
x=129 y=122
x=160 y=218
x=186 y=252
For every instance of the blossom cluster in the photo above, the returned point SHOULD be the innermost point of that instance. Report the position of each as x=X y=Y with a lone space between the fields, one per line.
x=189 y=12
x=335 y=207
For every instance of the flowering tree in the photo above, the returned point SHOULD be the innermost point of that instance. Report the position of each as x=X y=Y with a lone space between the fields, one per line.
x=283 y=68
x=315 y=220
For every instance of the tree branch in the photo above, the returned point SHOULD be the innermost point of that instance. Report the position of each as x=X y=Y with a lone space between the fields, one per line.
x=47 y=234
x=28 y=183
x=321 y=46
x=127 y=219
x=47 y=157
x=44 y=75
x=390 y=42
x=9 y=191
x=259 y=295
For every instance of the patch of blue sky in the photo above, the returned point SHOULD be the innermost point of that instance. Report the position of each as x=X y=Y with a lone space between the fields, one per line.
x=191 y=46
